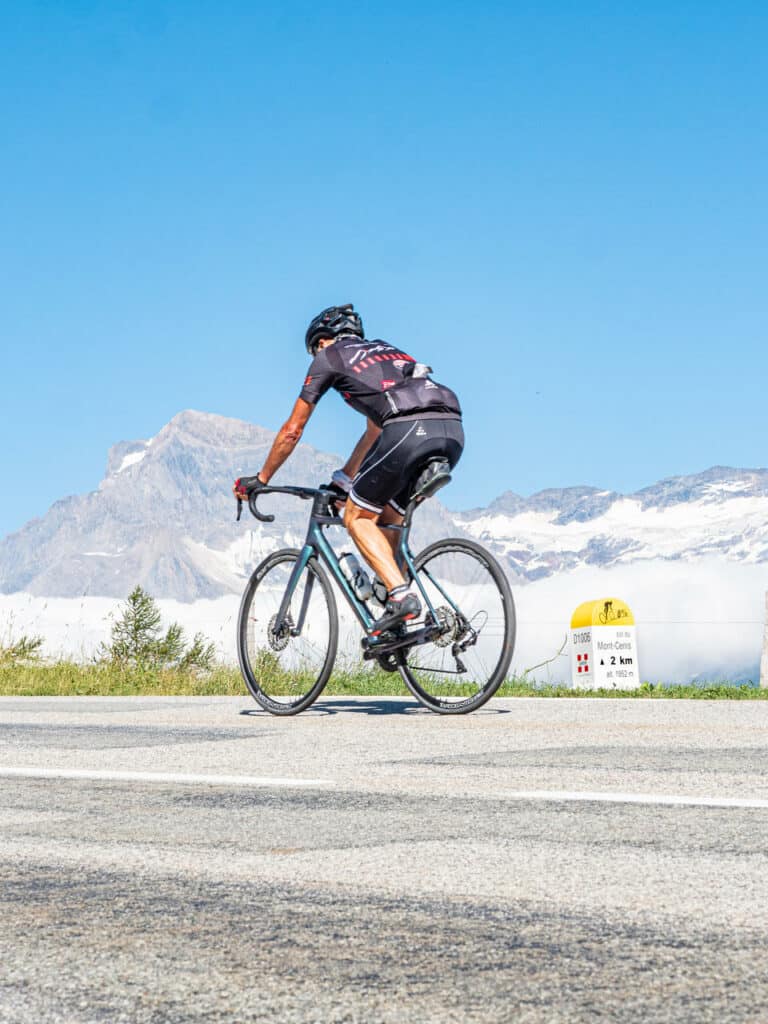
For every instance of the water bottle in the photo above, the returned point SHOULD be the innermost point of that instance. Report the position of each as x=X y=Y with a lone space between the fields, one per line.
x=356 y=576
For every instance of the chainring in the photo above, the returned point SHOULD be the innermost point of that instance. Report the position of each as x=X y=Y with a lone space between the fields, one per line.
x=388 y=662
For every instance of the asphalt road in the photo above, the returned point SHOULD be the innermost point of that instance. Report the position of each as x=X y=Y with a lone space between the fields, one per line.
x=540 y=860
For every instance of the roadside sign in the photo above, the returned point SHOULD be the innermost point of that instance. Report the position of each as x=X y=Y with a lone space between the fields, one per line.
x=604 y=646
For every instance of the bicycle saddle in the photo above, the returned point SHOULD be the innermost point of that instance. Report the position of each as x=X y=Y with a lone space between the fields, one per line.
x=435 y=474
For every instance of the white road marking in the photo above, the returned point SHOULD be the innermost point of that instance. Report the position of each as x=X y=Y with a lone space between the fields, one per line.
x=545 y=795
x=172 y=777
x=663 y=799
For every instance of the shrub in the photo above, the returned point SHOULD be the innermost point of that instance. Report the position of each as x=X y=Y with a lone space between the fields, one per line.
x=26 y=648
x=137 y=640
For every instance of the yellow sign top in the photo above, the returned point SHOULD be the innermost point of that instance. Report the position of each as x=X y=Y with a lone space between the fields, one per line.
x=610 y=611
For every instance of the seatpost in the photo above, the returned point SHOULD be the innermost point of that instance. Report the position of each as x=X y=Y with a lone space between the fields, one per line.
x=409 y=510
x=405 y=529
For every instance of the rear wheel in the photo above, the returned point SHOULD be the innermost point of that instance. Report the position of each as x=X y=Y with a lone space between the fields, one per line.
x=467 y=661
x=286 y=666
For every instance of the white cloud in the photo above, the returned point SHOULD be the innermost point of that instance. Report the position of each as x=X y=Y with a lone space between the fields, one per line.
x=698 y=620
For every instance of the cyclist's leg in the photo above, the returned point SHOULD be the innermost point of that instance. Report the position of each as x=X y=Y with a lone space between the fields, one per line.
x=391 y=517
x=379 y=477
x=373 y=543
x=385 y=481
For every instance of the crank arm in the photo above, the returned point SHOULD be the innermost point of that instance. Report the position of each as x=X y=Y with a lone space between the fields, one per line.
x=373 y=649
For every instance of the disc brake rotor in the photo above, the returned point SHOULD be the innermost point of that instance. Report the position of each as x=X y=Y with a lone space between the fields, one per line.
x=279 y=641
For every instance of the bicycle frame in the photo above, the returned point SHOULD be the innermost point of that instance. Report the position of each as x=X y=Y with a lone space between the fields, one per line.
x=317 y=545
x=457 y=632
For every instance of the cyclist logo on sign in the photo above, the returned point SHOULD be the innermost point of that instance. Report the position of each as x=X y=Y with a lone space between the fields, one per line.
x=609 y=615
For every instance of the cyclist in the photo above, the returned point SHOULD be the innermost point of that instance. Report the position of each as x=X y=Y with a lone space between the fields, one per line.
x=410 y=418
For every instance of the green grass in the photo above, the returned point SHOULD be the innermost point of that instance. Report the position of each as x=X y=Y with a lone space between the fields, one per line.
x=652 y=691
x=67 y=679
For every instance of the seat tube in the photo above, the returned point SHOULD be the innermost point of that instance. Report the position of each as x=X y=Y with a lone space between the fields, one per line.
x=407 y=557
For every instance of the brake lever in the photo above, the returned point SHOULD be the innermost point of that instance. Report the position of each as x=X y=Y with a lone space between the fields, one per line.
x=239 y=509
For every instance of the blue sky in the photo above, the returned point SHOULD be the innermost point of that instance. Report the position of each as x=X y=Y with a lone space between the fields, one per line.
x=560 y=206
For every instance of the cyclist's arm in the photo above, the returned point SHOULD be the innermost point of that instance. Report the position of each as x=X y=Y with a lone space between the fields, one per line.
x=363 y=446
x=288 y=437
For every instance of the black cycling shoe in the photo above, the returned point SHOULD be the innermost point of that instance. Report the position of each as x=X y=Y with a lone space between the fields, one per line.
x=397 y=612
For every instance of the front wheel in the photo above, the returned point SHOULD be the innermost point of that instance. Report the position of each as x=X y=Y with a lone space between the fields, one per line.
x=474 y=620
x=286 y=664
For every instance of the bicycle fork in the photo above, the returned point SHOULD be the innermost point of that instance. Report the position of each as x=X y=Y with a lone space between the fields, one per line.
x=282 y=614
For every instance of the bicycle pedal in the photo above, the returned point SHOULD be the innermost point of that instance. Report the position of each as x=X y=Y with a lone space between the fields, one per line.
x=369 y=642
x=389 y=636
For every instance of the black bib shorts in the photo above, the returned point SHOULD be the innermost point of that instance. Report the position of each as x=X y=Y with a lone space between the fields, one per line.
x=390 y=468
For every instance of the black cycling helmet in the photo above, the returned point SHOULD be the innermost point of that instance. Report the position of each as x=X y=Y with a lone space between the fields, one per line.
x=330 y=323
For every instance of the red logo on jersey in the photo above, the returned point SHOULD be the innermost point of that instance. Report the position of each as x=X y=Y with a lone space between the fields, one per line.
x=307 y=382
x=387 y=384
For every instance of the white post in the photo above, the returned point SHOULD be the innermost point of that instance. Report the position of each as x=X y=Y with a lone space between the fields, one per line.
x=764 y=659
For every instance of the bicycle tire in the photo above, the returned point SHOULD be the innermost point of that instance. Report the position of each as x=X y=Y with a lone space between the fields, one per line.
x=415 y=676
x=259 y=644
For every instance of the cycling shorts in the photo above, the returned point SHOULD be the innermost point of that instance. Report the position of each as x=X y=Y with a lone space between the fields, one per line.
x=390 y=468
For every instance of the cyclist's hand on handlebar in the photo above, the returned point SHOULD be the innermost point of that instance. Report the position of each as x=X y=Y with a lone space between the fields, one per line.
x=245 y=489
x=341 y=485
x=245 y=486
x=339 y=494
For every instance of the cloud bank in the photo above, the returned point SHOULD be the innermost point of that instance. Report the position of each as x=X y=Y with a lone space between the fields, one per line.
x=698 y=621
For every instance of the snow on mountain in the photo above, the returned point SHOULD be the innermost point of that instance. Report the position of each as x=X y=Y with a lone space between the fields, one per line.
x=721 y=511
x=131 y=460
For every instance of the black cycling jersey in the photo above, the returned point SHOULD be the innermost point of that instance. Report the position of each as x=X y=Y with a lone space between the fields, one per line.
x=377 y=380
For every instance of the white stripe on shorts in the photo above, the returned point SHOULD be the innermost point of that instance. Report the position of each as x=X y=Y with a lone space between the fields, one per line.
x=386 y=453
x=365 y=504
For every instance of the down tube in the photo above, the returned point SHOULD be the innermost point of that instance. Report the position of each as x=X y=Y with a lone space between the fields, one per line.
x=328 y=555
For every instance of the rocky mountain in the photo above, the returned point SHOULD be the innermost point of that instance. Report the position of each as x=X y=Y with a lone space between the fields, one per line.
x=163 y=517
x=722 y=512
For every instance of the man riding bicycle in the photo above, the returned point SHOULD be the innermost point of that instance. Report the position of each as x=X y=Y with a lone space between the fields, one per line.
x=411 y=418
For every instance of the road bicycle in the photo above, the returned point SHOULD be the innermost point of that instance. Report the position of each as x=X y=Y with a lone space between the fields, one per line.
x=453 y=658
